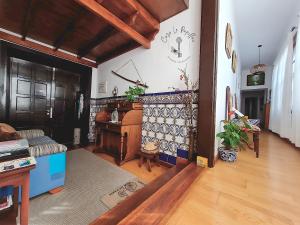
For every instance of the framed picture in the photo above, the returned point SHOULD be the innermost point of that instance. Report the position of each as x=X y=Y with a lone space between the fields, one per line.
x=256 y=79
x=228 y=40
x=234 y=62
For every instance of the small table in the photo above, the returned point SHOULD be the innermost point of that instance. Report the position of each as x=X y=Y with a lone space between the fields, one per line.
x=256 y=135
x=148 y=157
x=16 y=178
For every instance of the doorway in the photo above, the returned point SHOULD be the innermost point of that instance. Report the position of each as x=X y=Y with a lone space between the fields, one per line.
x=43 y=92
x=43 y=97
x=253 y=104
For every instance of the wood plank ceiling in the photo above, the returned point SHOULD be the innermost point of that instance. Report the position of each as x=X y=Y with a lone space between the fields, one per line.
x=94 y=29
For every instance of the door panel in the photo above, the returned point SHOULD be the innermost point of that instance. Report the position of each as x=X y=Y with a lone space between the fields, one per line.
x=23 y=87
x=35 y=89
x=29 y=98
x=66 y=85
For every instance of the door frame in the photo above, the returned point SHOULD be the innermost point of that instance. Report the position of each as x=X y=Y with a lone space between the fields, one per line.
x=244 y=95
x=8 y=50
x=207 y=80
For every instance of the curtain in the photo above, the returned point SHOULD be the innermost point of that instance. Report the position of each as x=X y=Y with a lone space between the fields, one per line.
x=276 y=111
x=285 y=99
x=281 y=99
x=295 y=137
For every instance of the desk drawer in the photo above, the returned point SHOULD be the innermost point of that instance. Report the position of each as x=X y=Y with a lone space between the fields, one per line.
x=113 y=128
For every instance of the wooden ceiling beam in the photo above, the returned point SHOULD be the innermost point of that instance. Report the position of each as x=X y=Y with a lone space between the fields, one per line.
x=117 y=51
x=147 y=17
x=31 y=5
x=44 y=49
x=103 y=35
x=69 y=28
x=112 y=19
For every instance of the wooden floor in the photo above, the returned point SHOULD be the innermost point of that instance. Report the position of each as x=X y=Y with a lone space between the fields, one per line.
x=132 y=166
x=249 y=192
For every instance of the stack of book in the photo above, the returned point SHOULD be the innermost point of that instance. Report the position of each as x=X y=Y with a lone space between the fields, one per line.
x=13 y=155
x=10 y=150
x=6 y=202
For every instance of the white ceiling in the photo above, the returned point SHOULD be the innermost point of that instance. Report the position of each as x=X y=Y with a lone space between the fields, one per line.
x=265 y=22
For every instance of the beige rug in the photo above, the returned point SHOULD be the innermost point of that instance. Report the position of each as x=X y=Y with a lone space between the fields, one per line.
x=121 y=193
x=88 y=179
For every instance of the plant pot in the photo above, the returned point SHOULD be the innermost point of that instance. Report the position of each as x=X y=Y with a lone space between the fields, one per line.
x=227 y=155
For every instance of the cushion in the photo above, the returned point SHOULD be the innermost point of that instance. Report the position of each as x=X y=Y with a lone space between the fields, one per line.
x=40 y=140
x=150 y=148
x=7 y=128
x=8 y=133
x=28 y=134
x=6 y=136
x=46 y=149
x=44 y=145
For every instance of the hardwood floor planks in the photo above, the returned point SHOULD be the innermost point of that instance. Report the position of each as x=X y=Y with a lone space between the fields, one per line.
x=250 y=191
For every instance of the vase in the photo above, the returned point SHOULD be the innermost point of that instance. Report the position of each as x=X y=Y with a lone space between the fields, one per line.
x=227 y=155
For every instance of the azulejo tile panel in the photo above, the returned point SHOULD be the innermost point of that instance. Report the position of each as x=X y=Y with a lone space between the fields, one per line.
x=169 y=125
x=165 y=120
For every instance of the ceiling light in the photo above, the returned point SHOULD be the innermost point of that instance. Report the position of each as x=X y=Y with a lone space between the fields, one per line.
x=259 y=67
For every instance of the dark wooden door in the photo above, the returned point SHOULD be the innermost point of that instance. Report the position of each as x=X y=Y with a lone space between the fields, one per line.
x=30 y=94
x=65 y=87
x=253 y=104
x=44 y=98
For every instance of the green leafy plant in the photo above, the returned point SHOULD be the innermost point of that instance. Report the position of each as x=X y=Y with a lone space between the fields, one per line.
x=134 y=92
x=233 y=136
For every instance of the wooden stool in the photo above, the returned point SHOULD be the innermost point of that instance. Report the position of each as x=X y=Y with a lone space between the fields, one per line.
x=144 y=154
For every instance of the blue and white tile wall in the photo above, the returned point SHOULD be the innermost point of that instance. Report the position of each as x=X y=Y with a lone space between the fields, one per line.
x=164 y=120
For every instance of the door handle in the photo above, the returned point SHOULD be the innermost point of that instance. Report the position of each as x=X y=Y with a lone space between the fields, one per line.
x=49 y=112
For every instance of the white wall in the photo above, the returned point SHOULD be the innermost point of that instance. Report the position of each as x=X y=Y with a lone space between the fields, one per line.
x=154 y=65
x=268 y=80
x=94 y=86
x=225 y=76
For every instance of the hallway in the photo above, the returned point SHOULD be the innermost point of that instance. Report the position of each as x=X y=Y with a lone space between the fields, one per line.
x=250 y=191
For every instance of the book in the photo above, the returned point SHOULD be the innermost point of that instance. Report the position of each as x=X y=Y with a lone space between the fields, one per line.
x=6 y=202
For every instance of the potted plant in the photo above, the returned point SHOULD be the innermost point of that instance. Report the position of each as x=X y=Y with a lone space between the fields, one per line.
x=134 y=92
x=233 y=138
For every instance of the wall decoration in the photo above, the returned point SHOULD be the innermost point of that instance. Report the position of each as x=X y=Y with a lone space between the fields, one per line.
x=228 y=40
x=102 y=87
x=138 y=82
x=234 y=62
x=255 y=79
x=179 y=42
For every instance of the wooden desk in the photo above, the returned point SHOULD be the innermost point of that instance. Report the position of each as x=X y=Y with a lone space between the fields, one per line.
x=16 y=178
x=122 y=139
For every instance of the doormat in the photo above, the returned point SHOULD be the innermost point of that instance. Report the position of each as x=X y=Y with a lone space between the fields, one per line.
x=120 y=194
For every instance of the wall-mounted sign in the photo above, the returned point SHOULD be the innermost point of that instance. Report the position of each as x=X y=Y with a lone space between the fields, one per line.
x=179 y=44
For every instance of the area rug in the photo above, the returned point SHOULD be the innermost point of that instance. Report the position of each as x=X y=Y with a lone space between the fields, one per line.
x=122 y=192
x=88 y=179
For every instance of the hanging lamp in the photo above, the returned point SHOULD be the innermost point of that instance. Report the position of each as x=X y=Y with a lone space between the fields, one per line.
x=259 y=67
